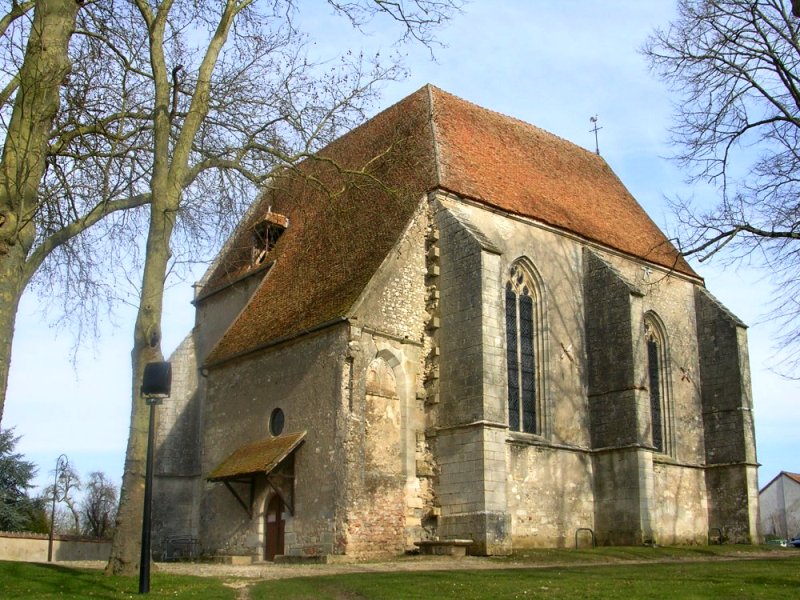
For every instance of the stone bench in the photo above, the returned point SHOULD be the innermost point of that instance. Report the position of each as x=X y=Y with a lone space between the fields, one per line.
x=444 y=547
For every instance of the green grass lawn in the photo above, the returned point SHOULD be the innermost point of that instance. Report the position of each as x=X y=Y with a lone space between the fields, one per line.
x=569 y=574
x=38 y=581
x=773 y=579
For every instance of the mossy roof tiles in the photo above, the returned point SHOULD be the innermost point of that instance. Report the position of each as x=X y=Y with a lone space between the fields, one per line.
x=260 y=457
x=348 y=206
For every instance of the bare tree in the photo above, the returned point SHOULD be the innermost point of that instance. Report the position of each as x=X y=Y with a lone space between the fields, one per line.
x=99 y=505
x=734 y=65
x=29 y=99
x=67 y=483
x=69 y=141
x=229 y=96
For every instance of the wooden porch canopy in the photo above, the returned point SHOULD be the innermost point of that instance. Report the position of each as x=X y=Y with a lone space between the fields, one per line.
x=259 y=458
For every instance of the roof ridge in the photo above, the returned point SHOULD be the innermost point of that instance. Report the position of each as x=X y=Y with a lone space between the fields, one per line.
x=513 y=119
x=437 y=157
x=794 y=476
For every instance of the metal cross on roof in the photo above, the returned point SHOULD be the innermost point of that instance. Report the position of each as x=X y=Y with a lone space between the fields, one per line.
x=595 y=129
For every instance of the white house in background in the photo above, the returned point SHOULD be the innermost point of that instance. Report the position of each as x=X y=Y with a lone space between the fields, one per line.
x=780 y=506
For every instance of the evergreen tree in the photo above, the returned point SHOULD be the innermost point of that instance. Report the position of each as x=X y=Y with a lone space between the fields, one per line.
x=18 y=511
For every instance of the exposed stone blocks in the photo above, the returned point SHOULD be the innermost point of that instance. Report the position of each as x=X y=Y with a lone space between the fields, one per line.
x=375 y=524
x=395 y=302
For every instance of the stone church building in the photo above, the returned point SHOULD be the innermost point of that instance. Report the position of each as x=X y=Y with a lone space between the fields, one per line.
x=451 y=324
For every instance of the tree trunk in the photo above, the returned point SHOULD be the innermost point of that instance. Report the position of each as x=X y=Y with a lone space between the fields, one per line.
x=43 y=70
x=170 y=167
x=11 y=287
x=126 y=545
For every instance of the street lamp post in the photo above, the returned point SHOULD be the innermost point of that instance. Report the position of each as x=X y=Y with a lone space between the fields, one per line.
x=156 y=384
x=62 y=462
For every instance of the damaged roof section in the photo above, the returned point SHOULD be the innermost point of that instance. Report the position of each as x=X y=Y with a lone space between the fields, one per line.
x=347 y=207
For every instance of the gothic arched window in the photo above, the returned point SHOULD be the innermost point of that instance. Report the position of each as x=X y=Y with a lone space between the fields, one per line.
x=523 y=351
x=658 y=383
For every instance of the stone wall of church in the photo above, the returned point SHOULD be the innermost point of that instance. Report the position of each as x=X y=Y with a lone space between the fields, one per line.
x=677 y=477
x=394 y=302
x=680 y=506
x=610 y=355
x=388 y=496
x=178 y=476
x=727 y=399
x=728 y=420
x=550 y=495
x=215 y=312
x=562 y=463
x=303 y=379
x=177 y=454
x=376 y=446
x=468 y=433
x=545 y=480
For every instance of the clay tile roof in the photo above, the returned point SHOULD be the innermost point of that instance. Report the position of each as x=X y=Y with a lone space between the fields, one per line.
x=347 y=208
x=525 y=170
x=260 y=457
x=341 y=226
x=793 y=476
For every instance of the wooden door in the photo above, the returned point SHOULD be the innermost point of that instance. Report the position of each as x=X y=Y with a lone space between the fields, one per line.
x=273 y=537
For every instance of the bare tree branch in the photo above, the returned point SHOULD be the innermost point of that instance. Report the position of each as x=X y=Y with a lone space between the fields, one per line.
x=735 y=65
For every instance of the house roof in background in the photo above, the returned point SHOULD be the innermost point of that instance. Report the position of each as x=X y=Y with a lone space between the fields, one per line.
x=791 y=476
x=348 y=207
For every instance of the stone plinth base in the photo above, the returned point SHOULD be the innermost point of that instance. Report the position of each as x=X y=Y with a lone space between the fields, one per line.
x=235 y=559
x=319 y=559
x=444 y=547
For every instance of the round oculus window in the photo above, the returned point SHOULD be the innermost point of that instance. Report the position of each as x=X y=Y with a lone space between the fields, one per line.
x=276 y=421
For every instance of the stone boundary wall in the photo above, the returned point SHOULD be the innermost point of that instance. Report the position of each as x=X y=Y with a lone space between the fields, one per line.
x=32 y=547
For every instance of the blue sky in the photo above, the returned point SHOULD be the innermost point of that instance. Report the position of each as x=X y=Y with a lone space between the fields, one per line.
x=552 y=64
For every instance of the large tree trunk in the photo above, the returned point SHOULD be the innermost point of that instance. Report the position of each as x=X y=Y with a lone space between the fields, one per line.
x=126 y=546
x=11 y=286
x=43 y=70
x=170 y=166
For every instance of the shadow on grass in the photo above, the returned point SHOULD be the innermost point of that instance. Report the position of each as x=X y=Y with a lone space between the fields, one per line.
x=48 y=580
x=41 y=581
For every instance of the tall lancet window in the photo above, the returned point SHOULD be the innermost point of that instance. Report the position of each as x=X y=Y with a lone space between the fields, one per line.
x=658 y=383
x=523 y=339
